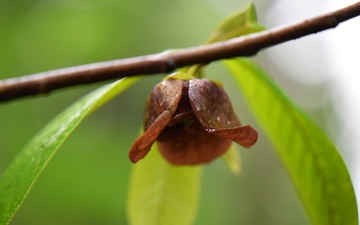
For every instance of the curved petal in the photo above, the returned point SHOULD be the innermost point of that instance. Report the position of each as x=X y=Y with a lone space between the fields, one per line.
x=189 y=143
x=161 y=106
x=165 y=96
x=243 y=135
x=214 y=111
x=211 y=105
x=184 y=110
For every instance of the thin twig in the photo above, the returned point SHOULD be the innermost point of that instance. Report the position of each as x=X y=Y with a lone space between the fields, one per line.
x=247 y=45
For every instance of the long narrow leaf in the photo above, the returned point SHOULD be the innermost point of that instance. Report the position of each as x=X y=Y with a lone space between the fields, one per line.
x=162 y=194
x=20 y=176
x=313 y=163
x=242 y=21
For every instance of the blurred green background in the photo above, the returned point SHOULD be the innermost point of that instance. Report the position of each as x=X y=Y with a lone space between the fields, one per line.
x=86 y=182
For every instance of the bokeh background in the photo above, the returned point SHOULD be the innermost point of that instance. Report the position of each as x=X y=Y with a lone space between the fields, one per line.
x=86 y=182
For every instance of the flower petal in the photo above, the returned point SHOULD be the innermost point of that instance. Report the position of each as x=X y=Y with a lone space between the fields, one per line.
x=165 y=96
x=243 y=135
x=184 y=110
x=189 y=143
x=160 y=108
x=211 y=105
x=214 y=111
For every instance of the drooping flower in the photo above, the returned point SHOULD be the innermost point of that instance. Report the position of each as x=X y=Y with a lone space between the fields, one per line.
x=192 y=121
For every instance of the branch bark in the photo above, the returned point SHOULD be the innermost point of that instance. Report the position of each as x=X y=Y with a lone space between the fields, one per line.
x=243 y=46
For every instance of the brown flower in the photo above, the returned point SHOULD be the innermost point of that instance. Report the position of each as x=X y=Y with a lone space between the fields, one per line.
x=193 y=122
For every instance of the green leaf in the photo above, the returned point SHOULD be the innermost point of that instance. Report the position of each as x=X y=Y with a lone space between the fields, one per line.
x=162 y=194
x=240 y=22
x=232 y=159
x=20 y=176
x=313 y=163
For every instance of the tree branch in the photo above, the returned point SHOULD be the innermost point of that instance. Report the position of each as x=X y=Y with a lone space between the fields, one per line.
x=247 y=45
